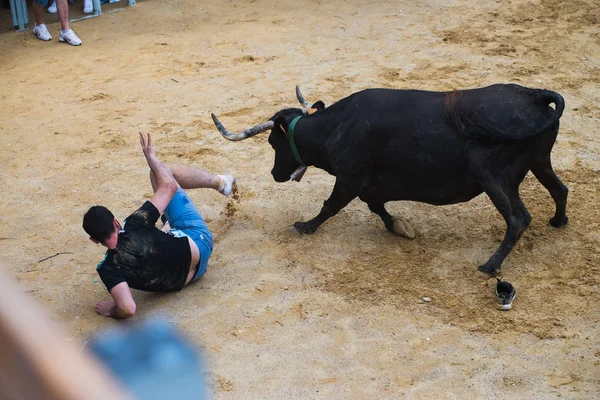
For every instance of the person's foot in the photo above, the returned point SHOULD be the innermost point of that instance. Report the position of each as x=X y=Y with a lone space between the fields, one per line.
x=42 y=32
x=69 y=37
x=88 y=7
x=52 y=8
x=227 y=184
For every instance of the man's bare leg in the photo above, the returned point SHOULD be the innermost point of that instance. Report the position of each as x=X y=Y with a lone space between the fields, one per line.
x=192 y=178
x=63 y=14
x=38 y=12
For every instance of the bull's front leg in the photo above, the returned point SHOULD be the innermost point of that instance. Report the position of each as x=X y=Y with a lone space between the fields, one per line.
x=342 y=194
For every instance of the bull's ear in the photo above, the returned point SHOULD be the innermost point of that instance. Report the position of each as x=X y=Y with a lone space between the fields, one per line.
x=319 y=105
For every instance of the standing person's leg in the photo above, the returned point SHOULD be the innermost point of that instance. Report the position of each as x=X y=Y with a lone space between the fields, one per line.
x=63 y=14
x=40 y=29
x=38 y=11
x=66 y=34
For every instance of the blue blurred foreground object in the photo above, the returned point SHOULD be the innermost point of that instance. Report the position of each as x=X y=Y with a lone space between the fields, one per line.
x=152 y=361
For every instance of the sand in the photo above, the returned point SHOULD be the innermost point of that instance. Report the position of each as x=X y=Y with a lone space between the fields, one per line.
x=338 y=314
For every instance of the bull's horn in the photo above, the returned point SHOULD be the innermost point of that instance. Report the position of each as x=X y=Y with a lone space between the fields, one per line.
x=235 y=137
x=298 y=173
x=300 y=98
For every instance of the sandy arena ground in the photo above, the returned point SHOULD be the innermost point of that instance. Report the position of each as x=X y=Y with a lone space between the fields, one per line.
x=339 y=314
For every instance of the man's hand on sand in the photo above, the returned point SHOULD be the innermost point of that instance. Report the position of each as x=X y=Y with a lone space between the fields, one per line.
x=105 y=307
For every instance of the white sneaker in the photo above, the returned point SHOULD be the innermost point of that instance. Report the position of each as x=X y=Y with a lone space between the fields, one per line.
x=227 y=185
x=42 y=32
x=52 y=8
x=69 y=37
x=88 y=7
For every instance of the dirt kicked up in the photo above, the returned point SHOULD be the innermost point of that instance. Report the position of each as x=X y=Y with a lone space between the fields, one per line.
x=338 y=314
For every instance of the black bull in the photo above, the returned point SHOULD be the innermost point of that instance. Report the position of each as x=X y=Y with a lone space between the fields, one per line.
x=432 y=147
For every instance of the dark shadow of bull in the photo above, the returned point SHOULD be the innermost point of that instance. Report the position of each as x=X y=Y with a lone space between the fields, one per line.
x=433 y=147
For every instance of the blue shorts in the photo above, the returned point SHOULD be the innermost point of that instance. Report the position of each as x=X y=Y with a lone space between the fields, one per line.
x=41 y=2
x=185 y=220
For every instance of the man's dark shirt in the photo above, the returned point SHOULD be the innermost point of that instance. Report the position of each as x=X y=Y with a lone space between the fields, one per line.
x=145 y=257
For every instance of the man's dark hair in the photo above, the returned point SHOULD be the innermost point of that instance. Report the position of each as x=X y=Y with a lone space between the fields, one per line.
x=98 y=223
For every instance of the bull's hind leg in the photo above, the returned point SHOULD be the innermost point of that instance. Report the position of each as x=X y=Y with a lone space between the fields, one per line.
x=396 y=226
x=545 y=174
x=517 y=219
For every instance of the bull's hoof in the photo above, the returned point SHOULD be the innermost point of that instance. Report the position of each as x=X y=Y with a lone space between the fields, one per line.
x=488 y=269
x=403 y=228
x=304 y=228
x=558 y=222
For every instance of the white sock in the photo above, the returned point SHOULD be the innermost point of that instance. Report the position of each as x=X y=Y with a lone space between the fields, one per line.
x=227 y=182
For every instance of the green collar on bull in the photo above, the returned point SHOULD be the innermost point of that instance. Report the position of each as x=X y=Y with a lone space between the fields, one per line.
x=292 y=143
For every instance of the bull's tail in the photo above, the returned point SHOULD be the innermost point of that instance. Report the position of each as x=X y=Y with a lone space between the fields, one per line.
x=548 y=97
x=511 y=113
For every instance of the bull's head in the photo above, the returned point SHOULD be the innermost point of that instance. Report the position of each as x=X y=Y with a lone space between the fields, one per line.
x=287 y=165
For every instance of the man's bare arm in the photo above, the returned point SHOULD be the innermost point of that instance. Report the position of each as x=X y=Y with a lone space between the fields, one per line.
x=165 y=182
x=122 y=307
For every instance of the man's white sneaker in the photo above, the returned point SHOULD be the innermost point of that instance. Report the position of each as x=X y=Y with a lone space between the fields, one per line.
x=88 y=7
x=227 y=185
x=42 y=32
x=69 y=37
x=52 y=8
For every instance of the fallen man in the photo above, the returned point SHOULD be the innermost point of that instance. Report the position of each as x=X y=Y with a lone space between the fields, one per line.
x=140 y=255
